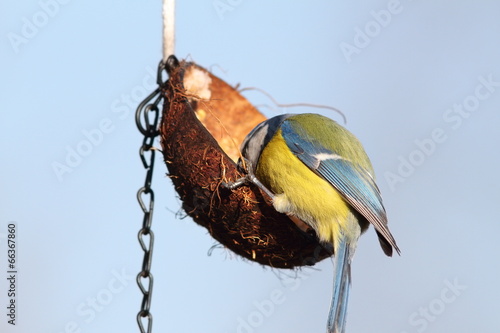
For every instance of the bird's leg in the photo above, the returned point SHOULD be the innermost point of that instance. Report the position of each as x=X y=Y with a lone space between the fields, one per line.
x=248 y=178
x=251 y=178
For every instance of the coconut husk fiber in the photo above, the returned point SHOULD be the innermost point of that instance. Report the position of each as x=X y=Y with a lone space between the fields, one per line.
x=203 y=124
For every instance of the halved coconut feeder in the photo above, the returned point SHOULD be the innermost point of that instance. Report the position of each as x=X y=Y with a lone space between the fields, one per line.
x=203 y=124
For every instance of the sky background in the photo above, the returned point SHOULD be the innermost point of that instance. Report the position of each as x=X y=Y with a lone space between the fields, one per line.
x=419 y=82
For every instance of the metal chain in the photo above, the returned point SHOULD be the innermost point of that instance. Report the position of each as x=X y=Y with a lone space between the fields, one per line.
x=150 y=111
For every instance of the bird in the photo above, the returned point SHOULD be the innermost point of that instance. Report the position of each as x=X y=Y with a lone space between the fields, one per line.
x=317 y=172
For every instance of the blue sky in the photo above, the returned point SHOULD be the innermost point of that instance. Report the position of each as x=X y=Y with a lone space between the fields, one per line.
x=418 y=81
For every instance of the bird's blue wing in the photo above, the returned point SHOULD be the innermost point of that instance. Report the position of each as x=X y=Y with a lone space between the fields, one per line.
x=354 y=183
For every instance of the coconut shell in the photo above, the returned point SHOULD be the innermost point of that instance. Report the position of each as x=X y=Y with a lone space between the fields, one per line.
x=203 y=124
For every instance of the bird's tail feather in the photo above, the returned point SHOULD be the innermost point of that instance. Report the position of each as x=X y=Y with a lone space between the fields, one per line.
x=341 y=285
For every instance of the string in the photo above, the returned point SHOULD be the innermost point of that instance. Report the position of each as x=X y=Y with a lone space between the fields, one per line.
x=168 y=29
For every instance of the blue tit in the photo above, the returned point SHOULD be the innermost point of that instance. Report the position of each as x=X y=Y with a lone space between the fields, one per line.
x=316 y=171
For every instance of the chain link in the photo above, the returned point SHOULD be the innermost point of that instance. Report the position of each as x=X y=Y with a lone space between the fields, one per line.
x=150 y=112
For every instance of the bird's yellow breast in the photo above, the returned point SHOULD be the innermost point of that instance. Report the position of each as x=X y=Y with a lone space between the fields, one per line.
x=300 y=192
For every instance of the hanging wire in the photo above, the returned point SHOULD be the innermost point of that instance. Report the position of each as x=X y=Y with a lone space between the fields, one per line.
x=289 y=105
x=168 y=29
x=151 y=113
x=147 y=118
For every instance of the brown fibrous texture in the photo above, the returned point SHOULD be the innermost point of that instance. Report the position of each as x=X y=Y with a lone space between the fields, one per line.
x=243 y=219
